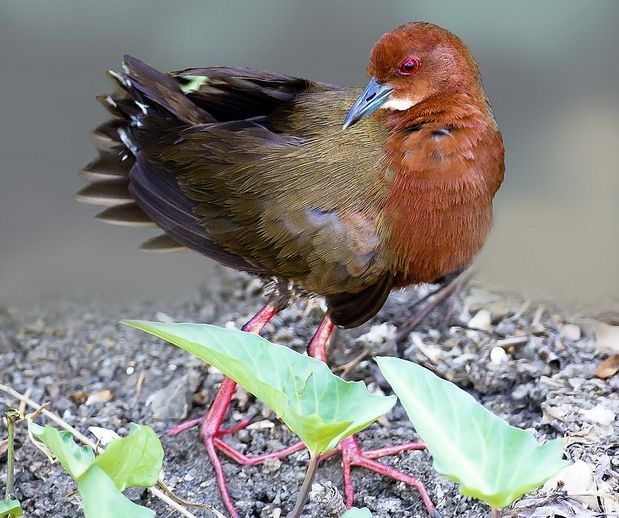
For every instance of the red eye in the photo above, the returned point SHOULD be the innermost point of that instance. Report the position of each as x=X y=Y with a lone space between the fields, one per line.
x=409 y=66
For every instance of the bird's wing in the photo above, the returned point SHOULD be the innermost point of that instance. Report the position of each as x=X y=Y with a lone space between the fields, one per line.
x=253 y=170
x=294 y=194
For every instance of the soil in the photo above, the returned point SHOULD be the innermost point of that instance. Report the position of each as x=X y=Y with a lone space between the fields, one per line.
x=528 y=363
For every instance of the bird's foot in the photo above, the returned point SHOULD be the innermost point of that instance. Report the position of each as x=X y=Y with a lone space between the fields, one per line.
x=211 y=432
x=353 y=455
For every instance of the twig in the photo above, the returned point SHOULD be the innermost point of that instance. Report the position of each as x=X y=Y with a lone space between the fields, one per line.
x=12 y=416
x=168 y=491
x=82 y=438
x=22 y=404
x=438 y=296
x=343 y=370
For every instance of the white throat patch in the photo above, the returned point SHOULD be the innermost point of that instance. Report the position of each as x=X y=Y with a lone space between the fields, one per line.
x=398 y=104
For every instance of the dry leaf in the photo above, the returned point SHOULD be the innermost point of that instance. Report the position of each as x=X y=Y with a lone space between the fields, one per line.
x=79 y=397
x=104 y=436
x=608 y=368
x=99 y=397
x=577 y=481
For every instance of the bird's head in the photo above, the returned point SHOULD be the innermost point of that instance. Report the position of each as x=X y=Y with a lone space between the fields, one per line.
x=412 y=63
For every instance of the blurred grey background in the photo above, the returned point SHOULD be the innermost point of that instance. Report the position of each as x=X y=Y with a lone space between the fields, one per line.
x=551 y=70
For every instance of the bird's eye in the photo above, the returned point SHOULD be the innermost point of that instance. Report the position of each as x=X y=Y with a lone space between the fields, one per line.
x=409 y=66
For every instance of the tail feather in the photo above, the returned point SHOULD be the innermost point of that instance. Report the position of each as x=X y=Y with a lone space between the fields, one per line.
x=161 y=243
x=106 y=139
x=129 y=214
x=108 y=194
x=148 y=111
x=106 y=166
x=108 y=174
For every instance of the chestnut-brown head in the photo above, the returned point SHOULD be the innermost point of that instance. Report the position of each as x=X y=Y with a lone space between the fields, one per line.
x=412 y=63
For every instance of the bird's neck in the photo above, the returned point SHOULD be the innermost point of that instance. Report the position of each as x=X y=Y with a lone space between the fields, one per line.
x=443 y=164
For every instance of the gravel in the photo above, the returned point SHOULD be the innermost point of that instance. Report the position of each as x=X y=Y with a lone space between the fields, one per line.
x=531 y=364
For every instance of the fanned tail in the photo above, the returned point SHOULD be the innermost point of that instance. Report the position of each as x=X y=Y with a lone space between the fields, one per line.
x=109 y=174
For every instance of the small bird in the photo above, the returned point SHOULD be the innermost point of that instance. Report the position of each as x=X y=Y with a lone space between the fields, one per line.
x=343 y=193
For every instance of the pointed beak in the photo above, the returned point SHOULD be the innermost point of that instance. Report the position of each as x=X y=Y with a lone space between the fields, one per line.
x=372 y=97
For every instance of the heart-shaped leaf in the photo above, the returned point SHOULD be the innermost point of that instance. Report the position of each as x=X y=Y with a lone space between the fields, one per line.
x=490 y=459
x=321 y=408
x=74 y=459
x=101 y=498
x=135 y=460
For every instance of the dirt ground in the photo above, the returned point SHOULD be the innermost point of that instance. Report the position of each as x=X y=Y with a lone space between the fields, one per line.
x=528 y=363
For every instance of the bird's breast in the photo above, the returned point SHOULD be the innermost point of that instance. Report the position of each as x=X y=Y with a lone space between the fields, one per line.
x=441 y=179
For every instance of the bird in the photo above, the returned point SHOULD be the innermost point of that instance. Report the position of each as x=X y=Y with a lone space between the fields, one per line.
x=322 y=190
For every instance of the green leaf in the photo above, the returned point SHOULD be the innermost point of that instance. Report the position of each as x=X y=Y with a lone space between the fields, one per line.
x=321 y=408
x=100 y=490
x=10 y=508
x=135 y=460
x=102 y=499
x=490 y=459
x=193 y=83
x=357 y=512
x=74 y=459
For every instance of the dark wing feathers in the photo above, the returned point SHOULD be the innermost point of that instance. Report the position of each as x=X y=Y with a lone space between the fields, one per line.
x=353 y=309
x=156 y=191
x=242 y=93
x=224 y=161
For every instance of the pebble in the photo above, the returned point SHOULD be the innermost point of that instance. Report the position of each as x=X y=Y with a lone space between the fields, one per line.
x=498 y=356
x=599 y=414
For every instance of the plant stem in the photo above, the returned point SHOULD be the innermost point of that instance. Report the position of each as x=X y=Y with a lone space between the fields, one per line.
x=12 y=415
x=305 y=488
x=496 y=513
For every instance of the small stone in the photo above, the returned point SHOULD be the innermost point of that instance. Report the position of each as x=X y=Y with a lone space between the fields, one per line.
x=599 y=414
x=271 y=465
x=606 y=338
x=378 y=334
x=174 y=400
x=482 y=320
x=571 y=332
x=576 y=383
x=498 y=356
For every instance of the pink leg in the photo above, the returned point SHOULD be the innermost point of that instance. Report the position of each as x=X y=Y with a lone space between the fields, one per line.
x=253 y=460
x=317 y=347
x=393 y=450
x=355 y=456
x=210 y=425
x=352 y=455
